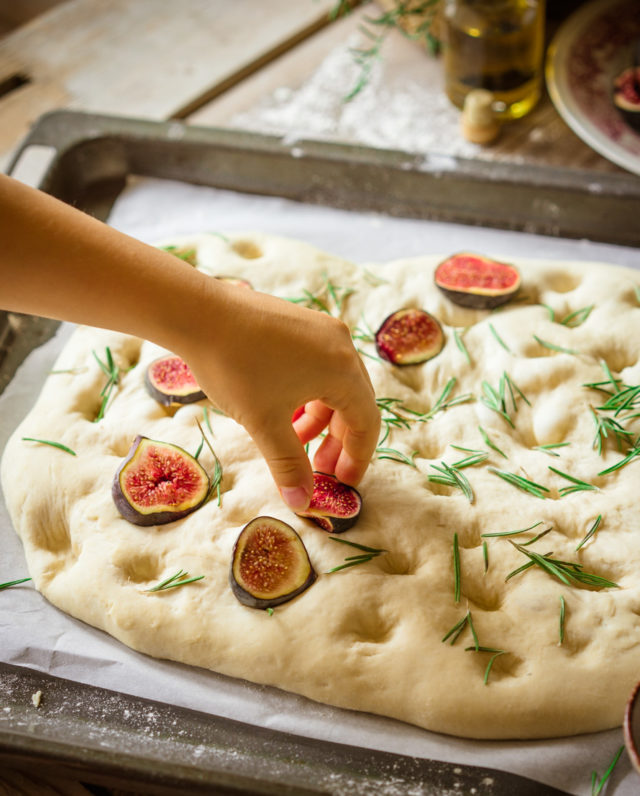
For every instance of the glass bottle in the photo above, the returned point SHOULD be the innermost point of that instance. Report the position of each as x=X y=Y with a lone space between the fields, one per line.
x=495 y=45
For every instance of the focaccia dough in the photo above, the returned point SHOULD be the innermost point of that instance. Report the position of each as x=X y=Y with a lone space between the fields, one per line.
x=371 y=637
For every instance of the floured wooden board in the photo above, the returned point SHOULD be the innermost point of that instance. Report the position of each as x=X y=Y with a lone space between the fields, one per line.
x=371 y=637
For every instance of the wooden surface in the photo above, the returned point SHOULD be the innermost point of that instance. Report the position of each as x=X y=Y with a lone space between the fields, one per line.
x=214 y=62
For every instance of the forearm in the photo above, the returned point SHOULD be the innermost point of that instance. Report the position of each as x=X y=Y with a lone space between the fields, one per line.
x=60 y=263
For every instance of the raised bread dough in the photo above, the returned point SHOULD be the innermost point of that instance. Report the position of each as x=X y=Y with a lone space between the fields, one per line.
x=370 y=637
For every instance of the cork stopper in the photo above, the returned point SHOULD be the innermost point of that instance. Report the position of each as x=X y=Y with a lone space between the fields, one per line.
x=479 y=124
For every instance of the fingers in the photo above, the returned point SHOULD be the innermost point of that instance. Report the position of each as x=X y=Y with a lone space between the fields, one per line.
x=314 y=418
x=289 y=465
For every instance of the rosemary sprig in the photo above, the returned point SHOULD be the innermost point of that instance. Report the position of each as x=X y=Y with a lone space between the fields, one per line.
x=388 y=20
x=330 y=299
x=578 y=317
x=518 y=481
x=628 y=458
x=567 y=572
x=73 y=371
x=393 y=415
x=10 y=583
x=563 y=609
x=499 y=339
x=491 y=444
x=512 y=533
x=553 y=346
x=112 y=372
x=578 y=484
x=181 y=578
x=457 y=336
x=449 y=476
x=444 y=402
x=457 y=576
x=207 y=421
x=457 y=629
x=549 y=447
x=397 y=456
x=269 y=610
x=217 y=468
x=496 y=654
x=496 y=400
x=550 y=310
x=352 y=561
x=624 y=400
x=608 y=425
x=591 y=531
x=52 y=444
x=470 y=461
x=598 y=785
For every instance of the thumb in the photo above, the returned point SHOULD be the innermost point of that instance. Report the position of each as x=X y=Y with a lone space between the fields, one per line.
x=288 y=462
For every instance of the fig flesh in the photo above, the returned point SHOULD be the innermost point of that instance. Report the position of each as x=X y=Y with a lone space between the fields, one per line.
x=158 y=483
x=626 y=95
x=409 y=337
x=170 y=381
x=334 y=506
x=472 y=280
x=270 y=564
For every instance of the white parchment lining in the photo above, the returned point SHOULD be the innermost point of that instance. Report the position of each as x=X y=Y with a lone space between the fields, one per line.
x=34 y=634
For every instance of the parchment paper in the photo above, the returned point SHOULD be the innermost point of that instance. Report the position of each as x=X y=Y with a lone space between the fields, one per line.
x=35 y=634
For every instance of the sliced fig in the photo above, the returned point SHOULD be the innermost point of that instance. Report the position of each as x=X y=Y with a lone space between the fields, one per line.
x=158 y=483
x=334 y=506
x=170 y=381
x=270 y=564
x=626 y=95
x=408 y=337
x=472 y=280
x=235 y=280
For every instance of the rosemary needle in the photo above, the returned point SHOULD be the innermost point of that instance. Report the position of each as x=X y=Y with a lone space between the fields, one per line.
x=591 y=531
x=596 y=787
x=553 y=346
x=217 y=468
x=499 y=339
x=457 y=336
x=579 y=486
x=13 y=583
x=521 y=483
x=491 y=444
x=562 y=618
x=58 y=445
x=181 y=578
x=512 y=533
x=352 y=561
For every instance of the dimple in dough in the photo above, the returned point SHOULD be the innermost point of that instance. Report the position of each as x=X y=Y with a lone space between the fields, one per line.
x=371 y=637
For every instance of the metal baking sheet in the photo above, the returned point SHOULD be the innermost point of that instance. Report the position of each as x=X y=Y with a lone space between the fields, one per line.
x=85 y=160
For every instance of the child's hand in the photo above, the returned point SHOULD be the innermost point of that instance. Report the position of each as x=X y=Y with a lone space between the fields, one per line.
x=259 y=358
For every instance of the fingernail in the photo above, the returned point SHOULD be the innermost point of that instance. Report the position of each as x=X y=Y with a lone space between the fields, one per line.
x=296 y=497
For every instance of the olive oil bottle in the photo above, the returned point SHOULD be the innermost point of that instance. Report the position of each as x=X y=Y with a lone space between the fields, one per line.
x=495 y=45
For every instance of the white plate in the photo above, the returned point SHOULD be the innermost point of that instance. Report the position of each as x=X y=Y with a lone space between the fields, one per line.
x=591 y=47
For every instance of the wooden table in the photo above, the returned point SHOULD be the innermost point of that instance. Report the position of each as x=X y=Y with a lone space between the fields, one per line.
x=214 y=62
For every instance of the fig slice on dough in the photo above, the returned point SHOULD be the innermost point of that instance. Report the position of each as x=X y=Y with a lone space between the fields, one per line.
x=472 y=280
x=270 y=564
x=334 y=506
x=158 y=483
x=170 y=381
x=409 y=337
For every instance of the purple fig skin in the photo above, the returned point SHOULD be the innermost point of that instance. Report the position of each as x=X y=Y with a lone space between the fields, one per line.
x=166 y=397
x=129 y=512
x=474 y=290
x=296 y=545
x=407 y=326
x=346 y=509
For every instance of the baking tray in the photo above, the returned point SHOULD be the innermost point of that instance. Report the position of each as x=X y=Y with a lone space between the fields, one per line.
x=102 y=736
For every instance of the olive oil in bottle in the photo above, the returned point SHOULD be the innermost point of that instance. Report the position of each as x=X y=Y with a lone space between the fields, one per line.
x=495 y=45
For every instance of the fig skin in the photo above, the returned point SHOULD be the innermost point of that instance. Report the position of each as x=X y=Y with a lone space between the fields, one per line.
x=158 y=476
x=344 y=511
x=409 y=337
x=180 y=386
x=268 y=543
x=626 y=97
x=461 y=278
